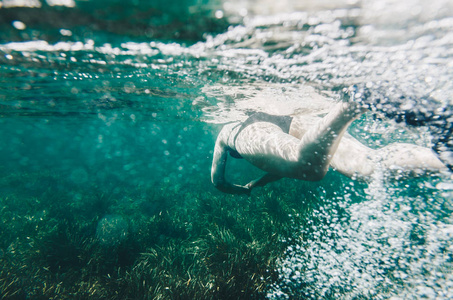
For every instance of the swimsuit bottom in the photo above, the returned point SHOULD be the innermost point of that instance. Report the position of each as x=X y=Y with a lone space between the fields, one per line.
x=284 y=122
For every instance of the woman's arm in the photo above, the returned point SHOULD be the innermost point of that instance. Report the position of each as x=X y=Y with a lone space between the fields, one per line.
x=218 y=170
x=263 y=180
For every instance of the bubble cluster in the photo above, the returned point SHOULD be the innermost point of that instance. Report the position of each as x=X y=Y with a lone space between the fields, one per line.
x=394 y=243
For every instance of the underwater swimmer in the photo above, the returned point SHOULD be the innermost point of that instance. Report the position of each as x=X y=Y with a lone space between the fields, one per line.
x=305 y=146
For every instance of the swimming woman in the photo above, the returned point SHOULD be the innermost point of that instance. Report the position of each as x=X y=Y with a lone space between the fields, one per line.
x=305 y=146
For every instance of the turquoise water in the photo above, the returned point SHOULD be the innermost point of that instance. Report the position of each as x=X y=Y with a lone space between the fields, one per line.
x=109 y=114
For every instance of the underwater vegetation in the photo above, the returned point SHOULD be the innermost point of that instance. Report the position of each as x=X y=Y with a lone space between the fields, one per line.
x=144 y=245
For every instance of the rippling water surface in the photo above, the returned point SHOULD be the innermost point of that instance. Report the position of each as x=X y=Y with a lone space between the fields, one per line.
x=125 y=96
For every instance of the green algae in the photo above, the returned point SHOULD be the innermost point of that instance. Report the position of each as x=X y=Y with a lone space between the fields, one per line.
x=180 y=243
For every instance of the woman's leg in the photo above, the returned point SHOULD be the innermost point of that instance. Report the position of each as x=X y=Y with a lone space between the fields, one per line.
x=319 y=143
x=266 y=146
x=354 y=159
x=409 y=160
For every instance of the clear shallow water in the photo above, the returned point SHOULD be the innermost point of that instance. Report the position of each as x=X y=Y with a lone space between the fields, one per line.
x=137 y=105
